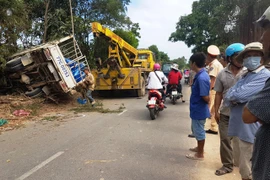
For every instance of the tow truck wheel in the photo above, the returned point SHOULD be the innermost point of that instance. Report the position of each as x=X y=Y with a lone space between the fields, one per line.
x=141 y=92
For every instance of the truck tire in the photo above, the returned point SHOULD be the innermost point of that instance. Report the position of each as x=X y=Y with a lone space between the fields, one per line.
x=141 y=92
x=16 y=68
x=34 y=93
x=14 y=62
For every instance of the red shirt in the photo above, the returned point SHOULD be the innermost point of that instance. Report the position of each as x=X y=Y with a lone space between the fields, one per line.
x=174 y=77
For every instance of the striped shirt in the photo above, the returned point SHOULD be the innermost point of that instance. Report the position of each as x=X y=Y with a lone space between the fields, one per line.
x=249 y=85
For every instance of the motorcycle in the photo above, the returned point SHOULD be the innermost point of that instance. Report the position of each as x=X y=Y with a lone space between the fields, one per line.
x=186 y=79
x=154 y=103
x=174 y=95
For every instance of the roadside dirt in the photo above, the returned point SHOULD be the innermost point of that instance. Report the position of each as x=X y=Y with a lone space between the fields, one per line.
x=39 y=109
x=29 y=109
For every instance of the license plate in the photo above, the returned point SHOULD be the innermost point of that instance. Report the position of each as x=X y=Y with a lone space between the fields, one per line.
x=174 y=92
x=151 y=102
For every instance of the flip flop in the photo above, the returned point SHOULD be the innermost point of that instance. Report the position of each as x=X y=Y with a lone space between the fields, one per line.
x=195 y=149
x=222 y=171
x=194 y=157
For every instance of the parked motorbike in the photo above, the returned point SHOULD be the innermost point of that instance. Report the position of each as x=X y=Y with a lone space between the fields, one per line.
x=154 y=103
x=174 y=95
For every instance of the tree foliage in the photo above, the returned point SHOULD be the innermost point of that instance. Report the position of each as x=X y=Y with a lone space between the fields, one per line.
x=155 y=50
x=219 y=22
x=182 y=62
x=27 y=24
x=160 y=55
x=13 y=21
x=128 y=36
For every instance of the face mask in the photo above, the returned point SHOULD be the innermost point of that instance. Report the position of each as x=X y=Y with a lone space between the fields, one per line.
x=252 y=63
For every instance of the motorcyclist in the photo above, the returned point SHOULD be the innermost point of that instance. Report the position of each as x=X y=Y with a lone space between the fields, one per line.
x=174 y=79
x=156 y=79
x=186 y=75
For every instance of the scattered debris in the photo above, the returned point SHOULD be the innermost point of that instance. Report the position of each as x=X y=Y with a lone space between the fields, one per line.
x=21 y=112
x=81 y=101
x=3 y=121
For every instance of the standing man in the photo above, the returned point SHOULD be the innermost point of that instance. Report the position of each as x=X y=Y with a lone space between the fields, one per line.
x=224 y=81
x=249 y=85
x=199 y=101
x=256 y=110
x=214 y=68
x=88 y=84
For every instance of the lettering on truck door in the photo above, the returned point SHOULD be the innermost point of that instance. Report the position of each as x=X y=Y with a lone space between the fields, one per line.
x=60 y=63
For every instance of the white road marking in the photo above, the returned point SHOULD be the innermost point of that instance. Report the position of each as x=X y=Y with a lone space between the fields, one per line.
x=44 y=163
x=122 y=112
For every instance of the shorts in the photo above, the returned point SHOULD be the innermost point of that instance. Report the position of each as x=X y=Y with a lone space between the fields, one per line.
x=198 y=129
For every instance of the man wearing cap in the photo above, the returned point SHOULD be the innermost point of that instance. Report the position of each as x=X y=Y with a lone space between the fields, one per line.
x=175 y=77
x=250 y=84
x=256 y=110
x=89 y=84
x=214 y=67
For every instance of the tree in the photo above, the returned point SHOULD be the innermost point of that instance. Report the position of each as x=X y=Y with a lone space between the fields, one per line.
x=130 y=34
x=204 y=26
x=161 y=56
x=182 y=62
x=164 y=57
x=219 y=22
x=155 y=50
x=13 y=21
x=51 y=19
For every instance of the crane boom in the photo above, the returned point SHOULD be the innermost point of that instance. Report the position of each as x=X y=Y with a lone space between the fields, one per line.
x=126 y=50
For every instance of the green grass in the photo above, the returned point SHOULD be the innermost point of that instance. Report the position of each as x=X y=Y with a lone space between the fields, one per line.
x=50 y=118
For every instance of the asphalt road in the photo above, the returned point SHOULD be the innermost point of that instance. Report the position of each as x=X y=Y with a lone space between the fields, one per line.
x=116 y=146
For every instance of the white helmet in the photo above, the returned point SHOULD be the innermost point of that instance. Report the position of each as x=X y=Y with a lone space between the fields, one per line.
x=264 y=20
x=175 y=66
x=213 y=50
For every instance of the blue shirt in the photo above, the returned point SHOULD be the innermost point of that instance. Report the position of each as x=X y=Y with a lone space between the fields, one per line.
x=243 y=91
x=199 y=109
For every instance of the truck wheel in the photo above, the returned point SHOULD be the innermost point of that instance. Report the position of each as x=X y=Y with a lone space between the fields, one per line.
x=16 y=68
x=14 y=62
x=141 y=92
x=34 y=93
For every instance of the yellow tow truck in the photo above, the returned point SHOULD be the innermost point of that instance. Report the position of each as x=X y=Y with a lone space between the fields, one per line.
x=126 y=67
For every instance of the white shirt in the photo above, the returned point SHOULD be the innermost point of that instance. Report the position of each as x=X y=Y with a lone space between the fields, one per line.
x=153 y=82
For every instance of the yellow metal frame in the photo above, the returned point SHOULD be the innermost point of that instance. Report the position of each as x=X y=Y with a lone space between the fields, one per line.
x=132 y=67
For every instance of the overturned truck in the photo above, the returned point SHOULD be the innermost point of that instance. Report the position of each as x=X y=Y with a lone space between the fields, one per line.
x=49 y=69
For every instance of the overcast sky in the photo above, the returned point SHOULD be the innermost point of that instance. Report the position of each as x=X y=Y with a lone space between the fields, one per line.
x=157 y=19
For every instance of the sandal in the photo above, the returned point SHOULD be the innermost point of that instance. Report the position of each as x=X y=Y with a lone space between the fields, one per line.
x=195 y=149
x=222 y=171
x=194 y=157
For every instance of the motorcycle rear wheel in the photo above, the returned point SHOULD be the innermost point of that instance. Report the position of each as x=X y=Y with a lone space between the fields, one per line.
x=173 y=100
x=153 y=113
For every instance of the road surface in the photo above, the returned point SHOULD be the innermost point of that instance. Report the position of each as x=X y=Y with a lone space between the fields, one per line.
x=110 y=146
